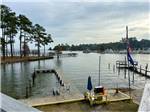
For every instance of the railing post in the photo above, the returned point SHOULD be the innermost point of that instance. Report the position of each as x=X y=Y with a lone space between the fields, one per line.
x=140 y=69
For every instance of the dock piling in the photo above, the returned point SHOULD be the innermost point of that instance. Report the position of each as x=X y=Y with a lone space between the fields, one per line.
x=146 y=67
x=114 y=68
x=140 y=69
x=27 y=95
x=133 y=74
x=108 y=65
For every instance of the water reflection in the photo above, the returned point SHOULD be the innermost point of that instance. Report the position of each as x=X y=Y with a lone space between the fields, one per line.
x=58 y=62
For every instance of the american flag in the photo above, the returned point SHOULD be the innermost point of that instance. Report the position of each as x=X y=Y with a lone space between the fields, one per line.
x=129 y=50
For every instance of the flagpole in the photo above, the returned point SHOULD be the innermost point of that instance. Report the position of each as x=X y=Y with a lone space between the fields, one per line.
x=99 y=70
x=127 y=42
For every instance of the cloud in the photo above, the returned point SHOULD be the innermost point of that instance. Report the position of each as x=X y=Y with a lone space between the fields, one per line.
x=88 y=22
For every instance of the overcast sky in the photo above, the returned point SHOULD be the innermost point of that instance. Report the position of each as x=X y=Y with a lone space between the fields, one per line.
x=85 y=21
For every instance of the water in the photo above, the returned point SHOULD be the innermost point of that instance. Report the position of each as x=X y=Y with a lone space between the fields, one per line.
x=15 y=77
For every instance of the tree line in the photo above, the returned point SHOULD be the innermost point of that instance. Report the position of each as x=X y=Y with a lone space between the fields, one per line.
x=116 y=46
x=11 y=25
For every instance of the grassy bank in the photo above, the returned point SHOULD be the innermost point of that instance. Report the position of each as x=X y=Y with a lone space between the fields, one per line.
x=122 y=106
x=16 y=59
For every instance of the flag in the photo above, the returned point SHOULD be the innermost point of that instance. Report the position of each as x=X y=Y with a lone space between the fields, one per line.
x=129 y=50
x=129 y=57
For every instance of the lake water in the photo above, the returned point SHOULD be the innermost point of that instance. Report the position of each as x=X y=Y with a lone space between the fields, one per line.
x=15 y=77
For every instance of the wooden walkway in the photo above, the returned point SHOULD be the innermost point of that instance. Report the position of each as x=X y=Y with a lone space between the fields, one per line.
x=73 y=97
x=120 y=96
x=65 y=98
x=137 y=69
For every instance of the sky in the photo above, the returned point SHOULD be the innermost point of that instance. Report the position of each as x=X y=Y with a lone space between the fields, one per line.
x=84 y=21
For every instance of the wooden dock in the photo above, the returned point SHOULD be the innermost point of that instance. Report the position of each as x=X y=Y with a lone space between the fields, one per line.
x=73 y=97
x=120 y=96
x=108 y=97
x=137 y=69
x=68 y=93
x=62 y=98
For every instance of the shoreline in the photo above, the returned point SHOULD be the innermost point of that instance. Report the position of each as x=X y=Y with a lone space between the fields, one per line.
x=17 y=59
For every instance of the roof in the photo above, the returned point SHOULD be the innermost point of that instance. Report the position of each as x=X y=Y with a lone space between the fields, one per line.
x=145 y=102
x=9 y=104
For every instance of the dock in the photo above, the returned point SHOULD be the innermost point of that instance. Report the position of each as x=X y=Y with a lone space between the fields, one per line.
x=49 y=100
x=111 y=96
x=120 y=96
x=68 y=92
x=58 y=55
x=73 y=97
x=137 y=69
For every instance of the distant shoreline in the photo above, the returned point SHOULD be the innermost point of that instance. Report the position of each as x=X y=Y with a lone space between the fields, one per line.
x=17 y=59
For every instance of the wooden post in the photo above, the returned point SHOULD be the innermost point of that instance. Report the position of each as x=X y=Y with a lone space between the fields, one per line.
x=133 y=74
x=114 y=68
x=27 y=95
x=119 y=69
x=125 y=71
x=146 y=67
x=108 y=65
x=140 y=69
x=30 y=85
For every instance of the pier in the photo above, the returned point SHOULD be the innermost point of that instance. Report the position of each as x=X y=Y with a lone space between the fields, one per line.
x=74 y=96
x=66 y=54
x=137 y=69
x=68 y=92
